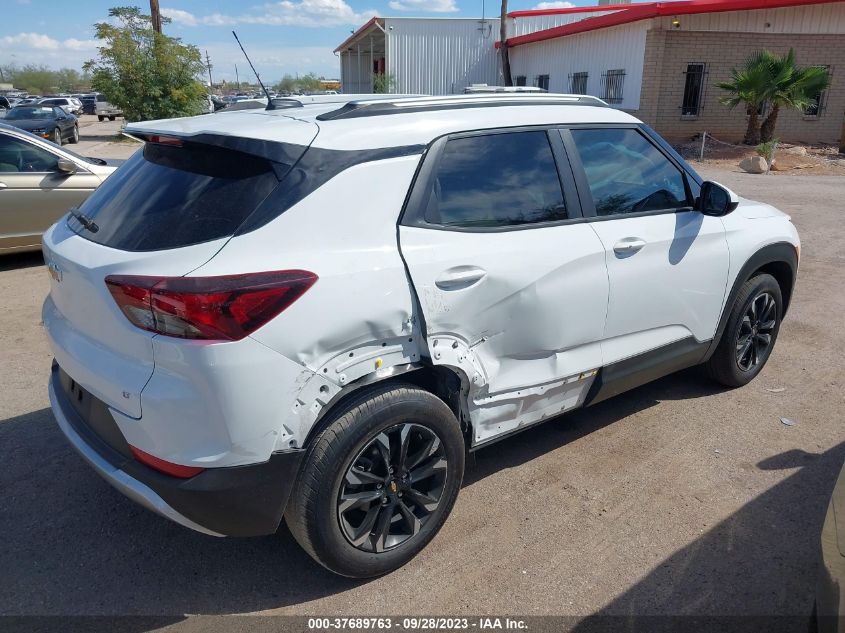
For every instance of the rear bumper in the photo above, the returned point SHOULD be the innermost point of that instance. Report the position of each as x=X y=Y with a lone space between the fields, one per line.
x=232 y=501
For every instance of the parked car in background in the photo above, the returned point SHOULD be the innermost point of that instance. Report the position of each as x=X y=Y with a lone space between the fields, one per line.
x=5 y=103
x=350 y=300
x=830 y=595
x=89 y=104
x=39 y=182
x=68 y=104
x=105 y=110
x=47 y=121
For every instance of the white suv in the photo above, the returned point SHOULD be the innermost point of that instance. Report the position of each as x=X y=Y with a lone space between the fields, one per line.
x=313 y=313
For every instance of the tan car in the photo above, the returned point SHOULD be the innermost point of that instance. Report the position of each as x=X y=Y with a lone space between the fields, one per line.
x=830 y=596
x=39 y=182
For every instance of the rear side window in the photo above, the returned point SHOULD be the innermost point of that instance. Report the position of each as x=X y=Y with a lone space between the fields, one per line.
x=627 y=174
x=496 y=180
x=173 y=196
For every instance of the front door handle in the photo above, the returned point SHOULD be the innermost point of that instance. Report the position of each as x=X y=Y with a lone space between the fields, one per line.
x=459 y=277
x=628 y=246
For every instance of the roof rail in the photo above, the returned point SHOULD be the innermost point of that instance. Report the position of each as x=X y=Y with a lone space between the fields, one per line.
x=360 y=109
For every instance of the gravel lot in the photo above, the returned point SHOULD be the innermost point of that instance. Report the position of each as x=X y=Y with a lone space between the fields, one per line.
x=676 y=498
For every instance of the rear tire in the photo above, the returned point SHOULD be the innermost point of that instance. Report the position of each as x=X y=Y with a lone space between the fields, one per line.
x=101 y=118
x=750 y=333
x=379 y=482
x=111 y=118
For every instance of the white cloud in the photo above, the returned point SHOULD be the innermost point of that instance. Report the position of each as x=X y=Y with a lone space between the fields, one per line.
x=554 y=4
x=310 y=13
x=178 y=16
x=41 y=42
x=186 y=18
x=434 y=6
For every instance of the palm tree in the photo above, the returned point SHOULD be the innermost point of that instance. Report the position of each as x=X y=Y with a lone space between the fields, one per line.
x=790 y=87
x=748 y=86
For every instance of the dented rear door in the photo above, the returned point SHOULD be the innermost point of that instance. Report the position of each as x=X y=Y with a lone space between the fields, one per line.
x=504 y=271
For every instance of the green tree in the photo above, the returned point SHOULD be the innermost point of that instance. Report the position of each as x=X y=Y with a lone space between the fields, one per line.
x=748 y=87
x=38 y=79
x=147 y=74
x=306 y=83
x=791 y=87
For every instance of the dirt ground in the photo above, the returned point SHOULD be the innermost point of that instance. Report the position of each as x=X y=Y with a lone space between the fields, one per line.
x=678 y=498
x=790 y=159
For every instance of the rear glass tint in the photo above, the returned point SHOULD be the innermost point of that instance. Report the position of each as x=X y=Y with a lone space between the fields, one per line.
x=169 y=197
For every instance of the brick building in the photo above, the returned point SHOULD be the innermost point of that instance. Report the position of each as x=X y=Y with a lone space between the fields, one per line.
x=661 y=61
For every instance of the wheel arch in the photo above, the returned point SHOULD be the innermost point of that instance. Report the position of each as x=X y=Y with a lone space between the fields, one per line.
x=780 y=260
x=447 y=383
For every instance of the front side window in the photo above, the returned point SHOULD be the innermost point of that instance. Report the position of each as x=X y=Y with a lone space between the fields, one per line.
x=496 y=180
x=17 y=156
x=627 y=174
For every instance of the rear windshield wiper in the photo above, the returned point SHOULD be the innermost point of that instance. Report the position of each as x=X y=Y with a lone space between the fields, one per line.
x=84 y=220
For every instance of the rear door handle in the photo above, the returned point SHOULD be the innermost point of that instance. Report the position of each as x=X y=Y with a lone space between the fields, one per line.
x=459 y=277
x=3 y=186
x=628 y=246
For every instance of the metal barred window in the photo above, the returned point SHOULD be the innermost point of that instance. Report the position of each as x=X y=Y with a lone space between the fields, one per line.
x=693 y=89
x=578 y=83
x=542 y=81
x=613 y=81
x=816 y=106
x=520 y=80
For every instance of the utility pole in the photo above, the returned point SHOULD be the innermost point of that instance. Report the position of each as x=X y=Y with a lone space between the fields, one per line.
x=155 y=14
x=238 y=81
x=208 y=65
x=503 y=45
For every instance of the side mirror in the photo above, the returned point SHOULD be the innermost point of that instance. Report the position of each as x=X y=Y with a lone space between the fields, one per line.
x=66 y=167
x=716 y=200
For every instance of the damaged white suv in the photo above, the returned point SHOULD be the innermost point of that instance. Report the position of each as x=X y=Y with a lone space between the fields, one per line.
x=314 y=312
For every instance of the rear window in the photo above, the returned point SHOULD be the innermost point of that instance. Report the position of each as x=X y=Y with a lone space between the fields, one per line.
x=174 y=196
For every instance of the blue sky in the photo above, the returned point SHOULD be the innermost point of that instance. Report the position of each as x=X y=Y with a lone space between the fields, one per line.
x=288 y=36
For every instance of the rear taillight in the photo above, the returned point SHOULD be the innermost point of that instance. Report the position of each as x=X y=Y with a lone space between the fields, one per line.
x=213 y=308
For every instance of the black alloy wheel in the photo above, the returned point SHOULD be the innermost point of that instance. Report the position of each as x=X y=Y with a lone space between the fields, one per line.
x=754 y=334
x=392 y=487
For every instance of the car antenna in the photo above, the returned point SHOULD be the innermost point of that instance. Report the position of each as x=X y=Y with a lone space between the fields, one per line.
x=270 y=105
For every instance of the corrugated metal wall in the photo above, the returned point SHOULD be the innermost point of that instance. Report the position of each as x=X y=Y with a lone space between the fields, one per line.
x=596 y=52
x=811 y=19
x=441 y=56
x=530 y=23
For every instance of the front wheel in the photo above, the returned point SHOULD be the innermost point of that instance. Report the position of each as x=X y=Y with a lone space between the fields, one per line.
x=111 y=118
x=379 y=482
x=101 y=118
x=57 y=136
x=750 y=333
x=74 y=138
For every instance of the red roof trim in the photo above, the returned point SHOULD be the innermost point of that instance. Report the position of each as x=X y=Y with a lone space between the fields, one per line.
x=655 y=10
x=349 y=39
x=565 y=10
